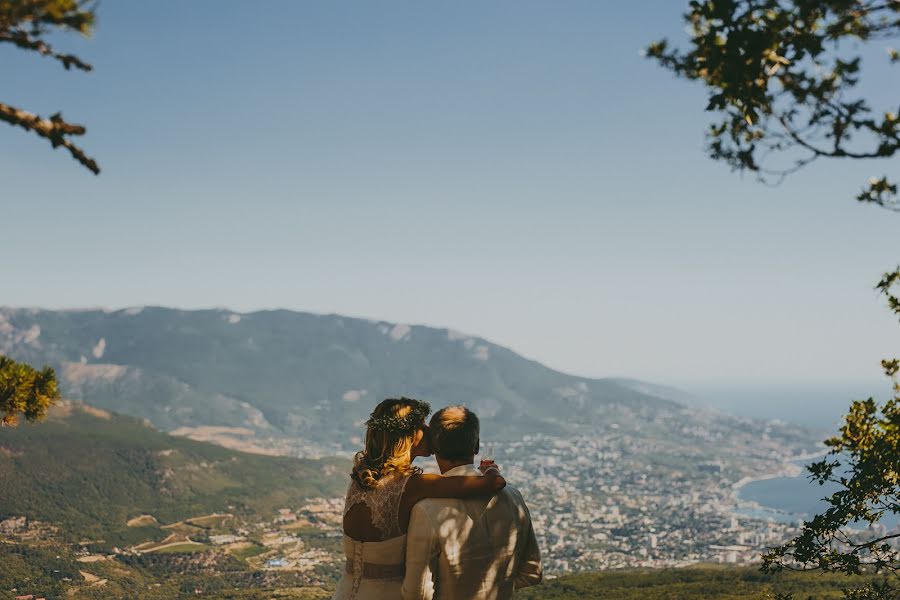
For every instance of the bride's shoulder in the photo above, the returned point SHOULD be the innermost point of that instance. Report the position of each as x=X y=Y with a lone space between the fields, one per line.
x=388 y=482
x=355 y=492
x=398 y=477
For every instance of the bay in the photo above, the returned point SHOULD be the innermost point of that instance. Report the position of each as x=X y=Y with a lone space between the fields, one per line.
x=791 y=499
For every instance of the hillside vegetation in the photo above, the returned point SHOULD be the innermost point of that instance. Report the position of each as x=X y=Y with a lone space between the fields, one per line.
x=93 y=471
x=46 y=569
x=53 y=571
x=696 y=583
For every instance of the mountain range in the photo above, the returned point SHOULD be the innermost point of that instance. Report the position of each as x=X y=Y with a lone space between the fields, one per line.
x=285 y=382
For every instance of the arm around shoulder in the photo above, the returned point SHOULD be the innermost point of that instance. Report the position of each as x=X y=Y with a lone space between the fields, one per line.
x=427 y=485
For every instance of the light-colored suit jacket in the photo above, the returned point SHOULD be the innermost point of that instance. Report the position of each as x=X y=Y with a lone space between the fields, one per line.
x=476 y=549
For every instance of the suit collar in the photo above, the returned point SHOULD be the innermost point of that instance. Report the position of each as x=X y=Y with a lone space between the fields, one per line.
x=462 y=470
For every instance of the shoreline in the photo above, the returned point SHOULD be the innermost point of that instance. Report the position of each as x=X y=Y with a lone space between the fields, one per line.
x=789 y=469
x=810 y=455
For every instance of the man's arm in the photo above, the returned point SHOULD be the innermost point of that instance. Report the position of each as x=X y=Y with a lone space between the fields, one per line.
x=531 y=572
x=421 y=548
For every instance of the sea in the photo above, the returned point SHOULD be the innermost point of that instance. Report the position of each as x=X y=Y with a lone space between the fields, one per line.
x=793 y=499
x=785 y=499
x=818 y=407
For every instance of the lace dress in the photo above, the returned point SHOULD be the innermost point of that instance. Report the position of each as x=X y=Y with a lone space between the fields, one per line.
x=374 y=570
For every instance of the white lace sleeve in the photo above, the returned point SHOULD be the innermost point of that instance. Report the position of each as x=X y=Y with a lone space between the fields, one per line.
x=383 y=502
x=355 y=495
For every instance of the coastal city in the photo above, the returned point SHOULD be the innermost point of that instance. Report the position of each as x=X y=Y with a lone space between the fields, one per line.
x=596 y=503
x=599 y=503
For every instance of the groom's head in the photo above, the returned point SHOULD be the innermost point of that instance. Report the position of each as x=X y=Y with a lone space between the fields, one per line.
x=455 y=434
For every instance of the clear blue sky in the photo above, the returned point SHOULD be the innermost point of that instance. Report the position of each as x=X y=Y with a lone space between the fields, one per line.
x=510 y=169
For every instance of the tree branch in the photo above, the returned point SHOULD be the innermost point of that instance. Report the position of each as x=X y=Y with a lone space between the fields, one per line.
x=54 y=129
x=836 y=153
x=26 y=42
x=876 y=541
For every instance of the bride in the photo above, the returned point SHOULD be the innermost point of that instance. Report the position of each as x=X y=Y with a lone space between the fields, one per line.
x=384 y=488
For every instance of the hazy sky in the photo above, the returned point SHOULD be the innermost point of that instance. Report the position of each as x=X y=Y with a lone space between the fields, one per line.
x=510 y=169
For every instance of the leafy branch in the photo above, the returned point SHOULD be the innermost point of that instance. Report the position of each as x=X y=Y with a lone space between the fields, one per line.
x=784 y=88
x=24 y=24
x=776 y=73
x=25 y=390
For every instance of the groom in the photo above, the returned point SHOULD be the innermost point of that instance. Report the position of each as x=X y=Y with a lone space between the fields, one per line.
x=481 y=548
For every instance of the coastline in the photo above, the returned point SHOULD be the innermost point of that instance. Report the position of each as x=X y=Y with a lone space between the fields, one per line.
x=791 y=467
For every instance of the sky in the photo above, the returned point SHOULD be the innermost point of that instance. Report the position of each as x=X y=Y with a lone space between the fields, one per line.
x=515 y=170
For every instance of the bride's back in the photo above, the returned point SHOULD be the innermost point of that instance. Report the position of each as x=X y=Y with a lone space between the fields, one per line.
x=372 y=514
x=374 y=546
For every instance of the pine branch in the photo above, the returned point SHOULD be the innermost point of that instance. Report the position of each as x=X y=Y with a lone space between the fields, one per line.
x=54 y=129
x=26 y=42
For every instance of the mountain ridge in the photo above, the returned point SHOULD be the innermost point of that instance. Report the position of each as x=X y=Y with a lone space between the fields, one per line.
x=308 y=381
x=456 y=333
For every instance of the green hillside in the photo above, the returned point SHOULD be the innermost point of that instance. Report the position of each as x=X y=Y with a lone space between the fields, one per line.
x=695 y=583
x=92 y=471
x=46 y=570
x=52 y=571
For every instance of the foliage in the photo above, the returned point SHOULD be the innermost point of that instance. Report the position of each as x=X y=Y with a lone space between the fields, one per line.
x=865 y=462
x=783 y=76
x=690 y=583
x=26 y=24
x=778 y=74
x=25 y=390
x=42 y=570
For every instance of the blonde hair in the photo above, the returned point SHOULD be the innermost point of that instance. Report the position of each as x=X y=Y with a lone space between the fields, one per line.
x=388 y=450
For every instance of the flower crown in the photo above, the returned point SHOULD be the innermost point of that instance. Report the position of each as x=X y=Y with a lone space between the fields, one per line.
x=420 y=410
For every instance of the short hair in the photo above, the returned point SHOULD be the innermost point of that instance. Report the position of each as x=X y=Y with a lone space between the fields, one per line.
x=454 y=432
